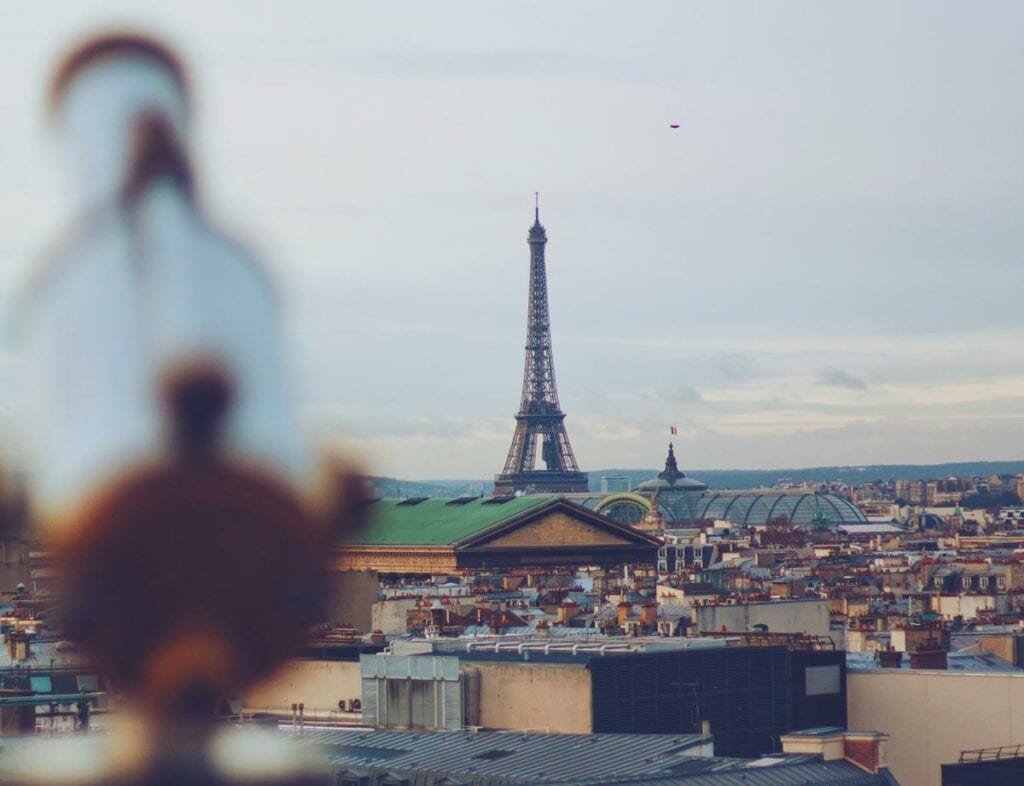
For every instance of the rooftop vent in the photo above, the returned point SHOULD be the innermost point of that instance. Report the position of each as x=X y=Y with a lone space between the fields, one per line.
x=462 y=500
x=413 y=500
x=499 y=500
x=493 y=755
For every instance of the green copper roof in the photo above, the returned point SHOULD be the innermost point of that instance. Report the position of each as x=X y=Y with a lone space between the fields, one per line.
x=437 y=522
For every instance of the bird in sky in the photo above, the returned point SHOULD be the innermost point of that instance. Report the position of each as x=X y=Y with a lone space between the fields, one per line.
x=673 y=125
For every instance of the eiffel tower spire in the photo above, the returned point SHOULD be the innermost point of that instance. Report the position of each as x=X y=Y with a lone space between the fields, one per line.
x=540 y=419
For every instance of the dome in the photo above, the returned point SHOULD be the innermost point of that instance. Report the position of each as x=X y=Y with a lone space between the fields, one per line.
x=683 y=500
x=671 y=478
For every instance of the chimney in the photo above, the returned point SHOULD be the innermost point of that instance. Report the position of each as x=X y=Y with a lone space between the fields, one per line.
x=890 y=659
x=18 y=645
x=567 y=611
x=649 y=614
x=543 y=628
x=929 y=659
x=624 y=609
x=931 y=654
x=826 y=742
x=866 y=749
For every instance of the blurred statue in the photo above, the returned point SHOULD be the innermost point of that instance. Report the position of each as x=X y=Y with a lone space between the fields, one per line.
x=167 y=466
x=146 y=331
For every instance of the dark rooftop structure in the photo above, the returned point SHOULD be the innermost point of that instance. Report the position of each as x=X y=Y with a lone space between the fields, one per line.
x=749 y=695
x=1003 y=766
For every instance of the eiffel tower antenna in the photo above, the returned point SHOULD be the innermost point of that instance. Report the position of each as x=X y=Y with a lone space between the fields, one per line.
x=540 y=419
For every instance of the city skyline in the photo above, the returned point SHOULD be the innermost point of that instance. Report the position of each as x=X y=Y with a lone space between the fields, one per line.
x=818 y=267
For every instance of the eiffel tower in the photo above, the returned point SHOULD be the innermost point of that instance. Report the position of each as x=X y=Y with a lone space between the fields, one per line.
x=540 y=419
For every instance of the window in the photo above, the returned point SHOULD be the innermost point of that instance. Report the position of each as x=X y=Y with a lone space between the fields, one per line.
x=938 y=581
x=983 y=582
x=965 y=582
x=822 y=680
x=1001 y=582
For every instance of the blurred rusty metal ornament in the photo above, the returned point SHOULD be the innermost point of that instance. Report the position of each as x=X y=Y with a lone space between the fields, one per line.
x=212 y=553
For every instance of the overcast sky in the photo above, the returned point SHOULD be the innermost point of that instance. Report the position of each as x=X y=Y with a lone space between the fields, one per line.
x=821 y=265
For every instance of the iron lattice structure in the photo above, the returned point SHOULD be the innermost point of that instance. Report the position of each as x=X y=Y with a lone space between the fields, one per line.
x=540 y=419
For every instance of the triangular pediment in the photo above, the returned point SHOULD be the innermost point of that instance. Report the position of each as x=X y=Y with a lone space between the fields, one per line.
x=561 y=524
x=557 y=529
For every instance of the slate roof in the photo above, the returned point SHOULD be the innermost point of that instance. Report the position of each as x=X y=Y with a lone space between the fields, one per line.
x=972 y=662
x=794 y=773
x=674 y=612
x=563 y=759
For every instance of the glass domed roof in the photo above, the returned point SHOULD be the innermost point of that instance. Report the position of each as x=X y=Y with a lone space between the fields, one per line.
x=685 y=500
x=759 y=507
x=748 y=508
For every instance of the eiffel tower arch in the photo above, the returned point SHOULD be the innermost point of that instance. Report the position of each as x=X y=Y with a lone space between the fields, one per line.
x=540 y=421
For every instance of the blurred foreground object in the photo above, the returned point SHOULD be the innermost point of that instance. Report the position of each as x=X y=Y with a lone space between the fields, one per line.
x=167 y=467
x=225 y=757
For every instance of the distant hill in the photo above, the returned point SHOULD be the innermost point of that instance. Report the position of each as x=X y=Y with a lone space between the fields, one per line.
x=393 y=487
x=725 y=478
x=760 y=478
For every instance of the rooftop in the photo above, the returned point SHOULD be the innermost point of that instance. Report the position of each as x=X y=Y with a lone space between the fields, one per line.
x=438 y=522
x=957 y=662
x=593 y=759
x=872 y=528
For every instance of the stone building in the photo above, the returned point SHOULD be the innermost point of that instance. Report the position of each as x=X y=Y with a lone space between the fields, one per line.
x=442 y=536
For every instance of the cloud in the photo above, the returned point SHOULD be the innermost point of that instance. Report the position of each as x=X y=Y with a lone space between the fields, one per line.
x=445 y=63
x=456 y=429
x=837 y=378
x=735 y=366
x=685 y=394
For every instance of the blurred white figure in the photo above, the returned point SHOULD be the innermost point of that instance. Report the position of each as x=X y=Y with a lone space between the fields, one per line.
x=141 y=290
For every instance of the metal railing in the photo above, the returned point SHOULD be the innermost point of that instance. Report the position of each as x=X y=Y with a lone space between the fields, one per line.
x=992 y=754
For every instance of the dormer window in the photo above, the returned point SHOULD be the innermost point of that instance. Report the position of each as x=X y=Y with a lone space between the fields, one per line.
x=965 y=582
x=983 y=582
